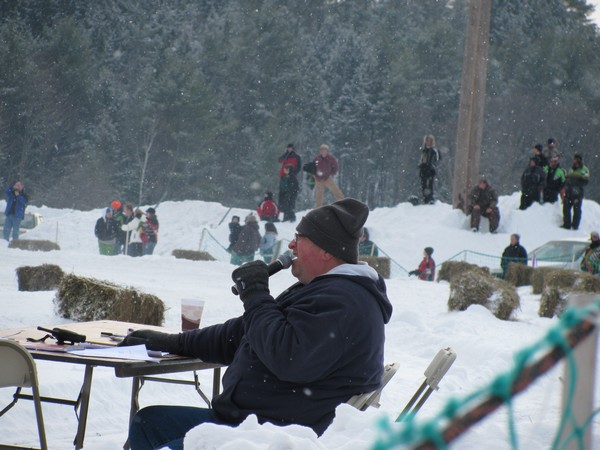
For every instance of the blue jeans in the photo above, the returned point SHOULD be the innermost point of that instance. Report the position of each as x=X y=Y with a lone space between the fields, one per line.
x=165 y=426
x=11 y=222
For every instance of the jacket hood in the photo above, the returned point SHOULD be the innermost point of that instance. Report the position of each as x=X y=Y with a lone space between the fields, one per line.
x=367 y=277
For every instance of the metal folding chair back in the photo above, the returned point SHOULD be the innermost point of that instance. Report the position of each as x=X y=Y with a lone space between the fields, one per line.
x=18 y=370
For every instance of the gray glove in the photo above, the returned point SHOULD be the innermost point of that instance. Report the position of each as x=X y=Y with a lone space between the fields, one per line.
x=154 y=340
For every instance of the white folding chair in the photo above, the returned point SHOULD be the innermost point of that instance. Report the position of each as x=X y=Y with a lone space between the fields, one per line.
x=363 y=401
x=18 y=370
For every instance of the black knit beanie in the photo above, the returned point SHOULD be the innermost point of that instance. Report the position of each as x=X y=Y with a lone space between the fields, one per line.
x=336 y=228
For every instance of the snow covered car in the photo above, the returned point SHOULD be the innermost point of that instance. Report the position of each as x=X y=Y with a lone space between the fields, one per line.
x=564 y=254
x=30 y=221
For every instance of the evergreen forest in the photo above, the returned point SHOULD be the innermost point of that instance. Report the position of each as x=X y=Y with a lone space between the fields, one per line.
x=148 y=101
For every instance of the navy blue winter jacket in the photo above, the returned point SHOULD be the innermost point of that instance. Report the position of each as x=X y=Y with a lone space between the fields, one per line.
x=294 y=359
x=20 y=202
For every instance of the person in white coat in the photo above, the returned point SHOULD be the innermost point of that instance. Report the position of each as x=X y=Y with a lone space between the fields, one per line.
x=133 y=238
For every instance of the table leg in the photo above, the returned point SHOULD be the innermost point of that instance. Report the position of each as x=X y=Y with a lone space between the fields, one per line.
x=84 y=406
x=135 y=405
x=216 y=381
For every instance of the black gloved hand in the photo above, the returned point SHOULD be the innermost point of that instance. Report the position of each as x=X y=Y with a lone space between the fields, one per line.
x=251 y=277
x=154 y=340
x=414 y=272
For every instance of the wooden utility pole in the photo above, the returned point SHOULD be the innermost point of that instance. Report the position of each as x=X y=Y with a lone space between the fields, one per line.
x=472 y=102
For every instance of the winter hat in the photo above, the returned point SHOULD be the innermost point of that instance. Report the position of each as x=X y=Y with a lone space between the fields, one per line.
x=551 y=141
x=151 y=211
x=116 y=204
x=290 y=146
x=250 y=218
x=483 y=178
x=336 y=228
x=593 y=235
x=539 y=147
x=107 y=211
x=578 y=157
x=429 y=251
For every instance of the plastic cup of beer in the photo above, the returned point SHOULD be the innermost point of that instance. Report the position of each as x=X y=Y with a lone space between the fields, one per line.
x=191 y=313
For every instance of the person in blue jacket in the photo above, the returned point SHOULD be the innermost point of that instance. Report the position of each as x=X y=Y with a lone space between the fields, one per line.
x=16 y=201
x=294 y=358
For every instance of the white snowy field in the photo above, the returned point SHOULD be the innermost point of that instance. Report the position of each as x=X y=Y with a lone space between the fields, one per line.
x=420 y=326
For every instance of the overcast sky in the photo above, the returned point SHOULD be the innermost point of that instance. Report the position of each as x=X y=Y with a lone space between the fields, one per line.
x=596 y=15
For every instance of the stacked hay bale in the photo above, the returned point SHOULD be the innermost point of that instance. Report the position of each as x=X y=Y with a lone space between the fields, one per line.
x=519 y=274
x=33 y=245
x=452 y=269
x=559 y=284
x=39 y=278
x=193 y=255
x=380 y=263
x=84 y=299
x=539 y=276
x=480 y=288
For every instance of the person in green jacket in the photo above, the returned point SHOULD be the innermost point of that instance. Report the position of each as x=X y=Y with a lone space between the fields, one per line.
x=591 y=258
x=572 y=194
x=366 y=247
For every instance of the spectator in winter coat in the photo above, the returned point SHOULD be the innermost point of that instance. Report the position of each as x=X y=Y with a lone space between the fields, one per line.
x=288 y=192
x=268 y=241
x=291 y=359
x=366 y=247
x=290 y=158
x=134 y=229
x=106 y=231
x=483 y=201
x=150 y=232
x=533 y=181
x=538 y=156
x=120 y=219
x=429 y=157
x=267 y=209
x=426 y=270
x=591 y=258
x=514 y=253
x=247 y=243
x=326 y=167
x=555 y=180
x=572 y=194
x=234 y=231
x=16 y=202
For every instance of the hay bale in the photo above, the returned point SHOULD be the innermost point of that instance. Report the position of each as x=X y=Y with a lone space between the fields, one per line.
x=452 y=269
x=538 y=278
x=475 y=288
x=559 y=284
x=39 y=278
x=518 y=274
x=33 y=245
x=381 y=264
x=193 y=255
x=85 y=299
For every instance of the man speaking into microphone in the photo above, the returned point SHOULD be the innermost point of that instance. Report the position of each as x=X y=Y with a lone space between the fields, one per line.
x=291 y=359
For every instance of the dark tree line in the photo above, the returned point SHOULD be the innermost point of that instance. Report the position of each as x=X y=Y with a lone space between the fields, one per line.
x=196 y=99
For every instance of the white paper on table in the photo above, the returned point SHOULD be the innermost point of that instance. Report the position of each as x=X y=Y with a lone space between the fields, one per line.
x=133 y=352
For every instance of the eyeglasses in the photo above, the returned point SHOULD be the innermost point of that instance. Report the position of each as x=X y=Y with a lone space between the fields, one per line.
x=298 y=236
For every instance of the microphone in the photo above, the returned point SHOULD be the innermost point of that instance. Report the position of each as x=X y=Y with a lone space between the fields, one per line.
x=283 y=262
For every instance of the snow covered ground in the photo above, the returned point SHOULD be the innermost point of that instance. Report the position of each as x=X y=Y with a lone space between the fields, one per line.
x=420 y=326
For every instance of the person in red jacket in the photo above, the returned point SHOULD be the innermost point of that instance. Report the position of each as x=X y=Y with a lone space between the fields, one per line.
x=267 y=209
x=290 y=157
x=326 y=167
x=426 y=270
